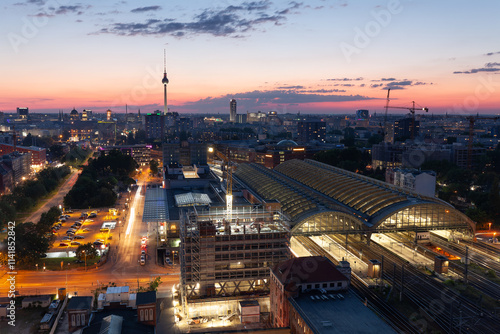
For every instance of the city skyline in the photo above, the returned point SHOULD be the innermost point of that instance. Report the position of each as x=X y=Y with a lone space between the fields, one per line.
x=314 y=57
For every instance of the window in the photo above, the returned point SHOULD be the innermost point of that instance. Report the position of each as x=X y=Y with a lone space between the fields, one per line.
x=141 y=315
x=316 y=286
x=78 y=320
x=146 y=315
x=309 y=287
x=83 y=319
x=73 y=322
x=325 y=285
x=151 y=314
x=339 y=284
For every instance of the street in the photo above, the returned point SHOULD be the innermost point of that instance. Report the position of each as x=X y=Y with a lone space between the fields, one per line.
x=122 y=267
x=56 y=199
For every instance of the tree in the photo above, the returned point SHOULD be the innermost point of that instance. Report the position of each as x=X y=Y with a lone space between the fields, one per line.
x=153 y=285
x=88 y=249
x=153 y=166
x=30 y=244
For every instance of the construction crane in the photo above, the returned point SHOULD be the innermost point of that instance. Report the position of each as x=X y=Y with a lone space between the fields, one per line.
x=384 y=127
x=412 y=111
x=229 y=182
x=472 y=121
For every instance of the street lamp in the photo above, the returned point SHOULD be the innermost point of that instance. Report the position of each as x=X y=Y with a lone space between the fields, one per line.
x=37 y=267
x=489 y=224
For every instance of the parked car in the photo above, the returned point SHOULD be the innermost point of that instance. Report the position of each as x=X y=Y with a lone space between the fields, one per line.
x=63 y=244
x=86 y=229
x=79 y=237
x=75 y=243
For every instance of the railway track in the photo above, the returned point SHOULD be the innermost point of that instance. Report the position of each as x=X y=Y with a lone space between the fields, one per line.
x=437 y=303
x=392 y=316
x=477 y=281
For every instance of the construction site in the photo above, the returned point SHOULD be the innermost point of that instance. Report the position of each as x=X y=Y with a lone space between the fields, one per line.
x=224 y=262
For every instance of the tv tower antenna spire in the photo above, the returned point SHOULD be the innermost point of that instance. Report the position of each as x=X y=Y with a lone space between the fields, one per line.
x=165 y=82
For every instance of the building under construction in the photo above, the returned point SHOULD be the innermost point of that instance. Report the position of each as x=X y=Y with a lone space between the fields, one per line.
x=223 y=262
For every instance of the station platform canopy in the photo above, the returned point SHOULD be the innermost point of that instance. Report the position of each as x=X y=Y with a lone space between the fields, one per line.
x=155 y=206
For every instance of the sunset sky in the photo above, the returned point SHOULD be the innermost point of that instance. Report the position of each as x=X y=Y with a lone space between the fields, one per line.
x=310 y=56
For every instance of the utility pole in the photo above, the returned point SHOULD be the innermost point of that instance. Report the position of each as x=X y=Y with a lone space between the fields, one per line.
x=382 y=271
x=466 y=264
x=402 y=282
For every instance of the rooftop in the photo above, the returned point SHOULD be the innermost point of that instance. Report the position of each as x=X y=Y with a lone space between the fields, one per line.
x=334 y=316
x=318 y=269
x=80 y=303
x=129 y=324
x=117 y=289
x=146 y=298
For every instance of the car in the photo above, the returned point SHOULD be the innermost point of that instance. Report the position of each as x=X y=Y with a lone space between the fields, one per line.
x=86 y=229
x=67 y=216
x=143 y=241
x=168 y=261
x=70 y=233
x=76 y=227
x=93 y=215
x=104 y=229
x=69 y=211
x=72 y=230
x=75 y=243
x=62 y=219
x=78 y=261
x=143 y=252
x=79 y=237
x=67 y=238
x=63 y=244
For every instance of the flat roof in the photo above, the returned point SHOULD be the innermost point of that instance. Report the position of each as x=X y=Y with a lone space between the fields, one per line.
x=190 y=199
x=80 y=303
x=117 y=289
x=155 y=206
x=337 y=316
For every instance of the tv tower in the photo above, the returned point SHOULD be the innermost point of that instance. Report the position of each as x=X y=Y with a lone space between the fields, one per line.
x=164 y=82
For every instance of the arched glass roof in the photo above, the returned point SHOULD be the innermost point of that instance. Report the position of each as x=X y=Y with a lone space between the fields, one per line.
x=306 y=188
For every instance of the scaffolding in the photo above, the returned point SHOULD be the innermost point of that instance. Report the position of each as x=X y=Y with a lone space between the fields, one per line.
x=222 y=259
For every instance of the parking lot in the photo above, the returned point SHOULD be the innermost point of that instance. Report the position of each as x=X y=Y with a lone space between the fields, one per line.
x=85 y=229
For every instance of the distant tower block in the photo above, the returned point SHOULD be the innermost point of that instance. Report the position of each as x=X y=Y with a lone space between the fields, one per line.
x=232 y=110
x=108 y=115
x=164 y=81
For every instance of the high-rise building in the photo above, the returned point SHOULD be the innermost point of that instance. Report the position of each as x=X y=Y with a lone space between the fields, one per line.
x=154 y=125
x=23 y=113
x=87 y=115
x=232 y=110
x=108 y=115
x=403 y=128
x=311 y=130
